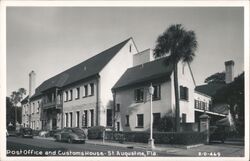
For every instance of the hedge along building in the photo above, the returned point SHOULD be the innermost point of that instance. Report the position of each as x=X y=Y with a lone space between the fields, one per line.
x=81 y=96
x=132 y=99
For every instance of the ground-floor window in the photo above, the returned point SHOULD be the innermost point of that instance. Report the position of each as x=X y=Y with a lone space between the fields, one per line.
x=109 y=117
x=85 y=118
x=38 y=124
x=77 y=118
x=66 y=120
x=91 y=117
x=71 y=119
x=140 y=120
x=127 y=120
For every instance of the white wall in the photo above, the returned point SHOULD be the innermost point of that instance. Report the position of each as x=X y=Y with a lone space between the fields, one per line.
x=35 y=122
x=81 y=104
x=25 y=113
x=128 y=106
x=143 y=57
x=110 y=75
x=185 y=79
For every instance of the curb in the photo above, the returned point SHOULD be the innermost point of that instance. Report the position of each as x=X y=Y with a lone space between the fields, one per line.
x=44 y=138
x=160 y=148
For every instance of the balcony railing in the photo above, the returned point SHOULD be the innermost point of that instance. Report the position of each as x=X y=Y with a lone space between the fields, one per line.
x=54 y=104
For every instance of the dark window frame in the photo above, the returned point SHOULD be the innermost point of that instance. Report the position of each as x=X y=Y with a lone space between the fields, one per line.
x=157 y=92
x=118 y=107
x=140 y=121
x=77 y=93
x=92 y=89
x=184 y=93
x=139 y=95
x=85 y=89
x=91 y=117
x=78 y=118
x=71 y=95
x=127 y=120
x=66 y=96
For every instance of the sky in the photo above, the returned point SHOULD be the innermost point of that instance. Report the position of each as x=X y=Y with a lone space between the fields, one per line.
x=50 y=40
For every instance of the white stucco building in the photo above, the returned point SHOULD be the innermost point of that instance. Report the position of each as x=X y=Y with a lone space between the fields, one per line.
x=132 y=97
x=111 y=89
x=80 y=96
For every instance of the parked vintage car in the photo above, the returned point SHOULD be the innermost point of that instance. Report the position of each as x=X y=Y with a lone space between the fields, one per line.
x=25 y=132
x=70 y=135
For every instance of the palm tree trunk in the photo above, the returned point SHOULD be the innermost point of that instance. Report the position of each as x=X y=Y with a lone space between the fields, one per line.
x=177 y=102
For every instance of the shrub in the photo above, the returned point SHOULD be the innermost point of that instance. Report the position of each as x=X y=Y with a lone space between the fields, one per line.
x=96 y=132
x=166 y=124
x=184 y=138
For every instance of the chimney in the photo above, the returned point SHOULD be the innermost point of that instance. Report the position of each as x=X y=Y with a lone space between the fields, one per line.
x=229 y=65
x=143 y=57
x=32 y=83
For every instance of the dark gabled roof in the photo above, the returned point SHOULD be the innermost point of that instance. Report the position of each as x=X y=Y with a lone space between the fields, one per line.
x=210 y=88
x=145 y=72
x=86 y=69
x=25 y=100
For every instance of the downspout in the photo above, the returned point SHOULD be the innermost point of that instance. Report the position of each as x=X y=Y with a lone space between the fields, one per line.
x=97 y=99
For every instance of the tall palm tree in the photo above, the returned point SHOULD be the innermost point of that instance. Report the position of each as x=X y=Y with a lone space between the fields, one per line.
x=177 y=44
x=16 y=97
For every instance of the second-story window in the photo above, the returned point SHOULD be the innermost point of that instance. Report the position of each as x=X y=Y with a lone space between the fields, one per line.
x=38 y=107
x=77 y=93
x=85 y=90
x=91 y=89
x=157 y=92
x=183 y=93
x=117 y=107
x=70 y=95
x=66 y=96
x=139 y=94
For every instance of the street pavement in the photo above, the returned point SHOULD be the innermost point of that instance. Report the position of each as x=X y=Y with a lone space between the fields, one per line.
x=40 y=146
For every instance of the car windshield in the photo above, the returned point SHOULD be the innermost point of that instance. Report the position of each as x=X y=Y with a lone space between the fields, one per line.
x=78 y=131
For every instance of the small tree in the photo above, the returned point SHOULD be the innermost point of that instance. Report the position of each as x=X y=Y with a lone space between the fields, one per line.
x=166 y=124
x=178 y=45
x=16 y=98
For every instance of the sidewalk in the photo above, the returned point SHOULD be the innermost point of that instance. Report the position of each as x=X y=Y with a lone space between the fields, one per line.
x=229 y=148
x=132 y=145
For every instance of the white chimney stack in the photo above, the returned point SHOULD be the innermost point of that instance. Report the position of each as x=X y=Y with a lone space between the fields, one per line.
x=229 y=65
x=32 y=83
x=143 y=57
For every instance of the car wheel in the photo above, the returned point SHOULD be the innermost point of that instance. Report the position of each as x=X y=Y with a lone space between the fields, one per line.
x=70 y=140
